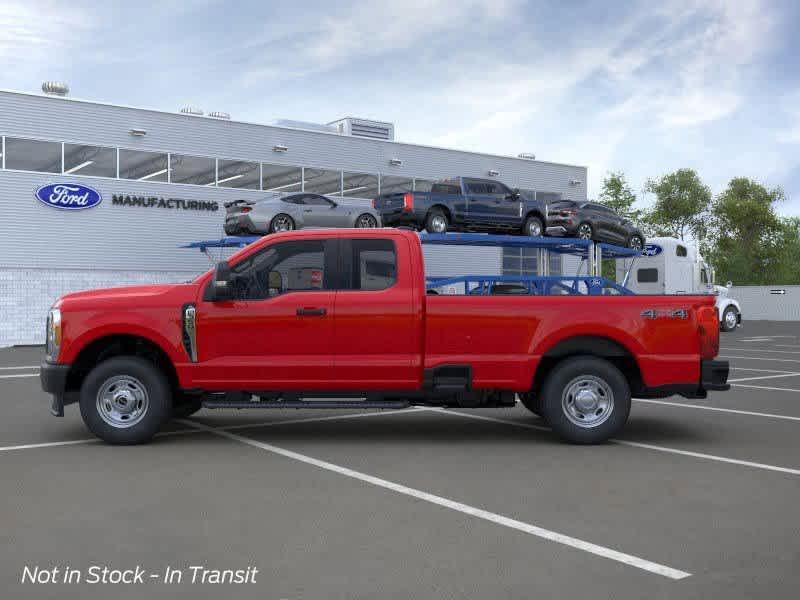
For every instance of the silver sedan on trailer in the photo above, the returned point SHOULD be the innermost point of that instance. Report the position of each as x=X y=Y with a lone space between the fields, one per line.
x=284 y=212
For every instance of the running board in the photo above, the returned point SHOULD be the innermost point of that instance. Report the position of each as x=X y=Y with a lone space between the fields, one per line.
x=309 y=404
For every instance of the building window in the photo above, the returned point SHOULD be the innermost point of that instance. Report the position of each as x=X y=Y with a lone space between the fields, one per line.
x=33 y=155
x=524 y=262
x=396 y=185
x=144 y=166
x=280 y=178
x=323 y=181
x=90 y=160
x=360 y=185
x=238 y=174
x=195 y=170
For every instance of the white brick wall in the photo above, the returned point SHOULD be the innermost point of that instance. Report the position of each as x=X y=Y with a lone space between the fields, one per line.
x=27 y=294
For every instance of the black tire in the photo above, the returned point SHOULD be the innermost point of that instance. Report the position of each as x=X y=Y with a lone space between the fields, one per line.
x=185 y=407
x=432 y=223
x=120 y=369
x=636 y=242
x=366 y=221
x=533 y=223
x=585 y=227
x=723 y=322
x=532 y=402
x=568 y=376
x=274 y=225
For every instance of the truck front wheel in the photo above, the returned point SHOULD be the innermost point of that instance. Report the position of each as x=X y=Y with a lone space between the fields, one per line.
x=730 y=319
x=586 y=400
x=125 y=400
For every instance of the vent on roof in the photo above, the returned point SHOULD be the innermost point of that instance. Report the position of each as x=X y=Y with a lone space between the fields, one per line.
x=55 y=88
x=376 y=130
x=527 y=155
x=217 y=114
x=192 y=110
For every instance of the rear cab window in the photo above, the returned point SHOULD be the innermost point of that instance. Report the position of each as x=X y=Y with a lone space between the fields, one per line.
x=373 y=264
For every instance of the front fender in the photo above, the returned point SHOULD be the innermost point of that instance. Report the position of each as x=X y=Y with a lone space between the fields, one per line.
x=83 y=330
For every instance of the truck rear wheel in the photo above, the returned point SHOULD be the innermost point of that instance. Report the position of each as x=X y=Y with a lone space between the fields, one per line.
x=125 y=400
x=436 y=222
x=586 y=400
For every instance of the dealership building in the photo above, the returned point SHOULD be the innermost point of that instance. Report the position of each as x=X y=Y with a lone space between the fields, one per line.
x=161 y=179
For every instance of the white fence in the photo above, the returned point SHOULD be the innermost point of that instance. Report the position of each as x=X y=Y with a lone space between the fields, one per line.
x=768 y=302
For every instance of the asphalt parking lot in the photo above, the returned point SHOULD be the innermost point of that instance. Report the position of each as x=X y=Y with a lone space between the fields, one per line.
x=697 y=499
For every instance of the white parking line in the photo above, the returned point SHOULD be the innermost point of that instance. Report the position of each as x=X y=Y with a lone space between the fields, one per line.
x=762 y=350
x=763 y=377
x=723 y=459
x=223 y=428
x=17 y=376
x=19 y=368
x=762 y=387
x=736 y=368
x=717 y=409
x=473 y=511
x=791 y=360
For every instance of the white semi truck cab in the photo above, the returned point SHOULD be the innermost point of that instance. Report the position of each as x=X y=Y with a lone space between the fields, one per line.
x=671 y=266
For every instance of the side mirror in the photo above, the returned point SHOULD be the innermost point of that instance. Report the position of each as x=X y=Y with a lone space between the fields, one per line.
x=515 y=195
x=333 y=204
x=221 y=288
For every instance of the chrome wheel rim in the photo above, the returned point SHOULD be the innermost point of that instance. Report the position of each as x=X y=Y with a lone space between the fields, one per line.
x=282 y=223
x=534 y=228
x=122 y=401
x=366 y=221
x=438 y=223
x=730 y=319
x=636 y=243
x=585 y=232
x=587 y=401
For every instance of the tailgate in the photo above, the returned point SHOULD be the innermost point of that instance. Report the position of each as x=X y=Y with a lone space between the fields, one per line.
x=389 y=202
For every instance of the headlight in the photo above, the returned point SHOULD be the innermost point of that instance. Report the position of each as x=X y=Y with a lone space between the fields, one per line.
x=53 y=334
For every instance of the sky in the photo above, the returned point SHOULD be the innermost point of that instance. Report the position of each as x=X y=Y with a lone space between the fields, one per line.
x=639 y=87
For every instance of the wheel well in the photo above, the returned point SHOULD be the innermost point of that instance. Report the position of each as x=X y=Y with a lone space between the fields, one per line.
x=119 y=345
x=443 y=208
x=535 y=213
x=601 y=347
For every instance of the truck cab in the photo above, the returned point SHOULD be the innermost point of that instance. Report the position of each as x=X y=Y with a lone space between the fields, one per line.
x=672 y=266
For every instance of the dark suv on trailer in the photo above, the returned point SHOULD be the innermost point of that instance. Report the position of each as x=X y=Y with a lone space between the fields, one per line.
x=592 y=221
x=465 y=204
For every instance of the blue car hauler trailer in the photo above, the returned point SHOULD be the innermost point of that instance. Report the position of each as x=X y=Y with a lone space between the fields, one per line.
x=591 y=254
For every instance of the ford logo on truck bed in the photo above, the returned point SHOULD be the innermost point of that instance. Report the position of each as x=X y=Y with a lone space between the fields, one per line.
x=68 y=196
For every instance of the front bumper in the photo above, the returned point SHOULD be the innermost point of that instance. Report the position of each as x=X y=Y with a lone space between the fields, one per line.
x=54 y=381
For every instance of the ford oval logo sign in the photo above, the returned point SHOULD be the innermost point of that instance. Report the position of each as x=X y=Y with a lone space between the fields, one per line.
x=69 y=196
x=652 y=250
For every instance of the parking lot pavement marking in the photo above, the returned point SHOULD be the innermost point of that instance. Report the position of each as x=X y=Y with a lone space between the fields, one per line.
x=791 y=360
x=762 y=387
x=734 y=349
x=19 y=375
x=535 y=530
x=763 y=377
x=48 y=444
x=19 y=368
x=718 y=409
x=223 y=428
x=737 y=368
x=713 y=457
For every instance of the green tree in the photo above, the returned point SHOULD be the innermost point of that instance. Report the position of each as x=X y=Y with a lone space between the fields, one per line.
x=749 y=243
x=618 y=195
x=681 y=205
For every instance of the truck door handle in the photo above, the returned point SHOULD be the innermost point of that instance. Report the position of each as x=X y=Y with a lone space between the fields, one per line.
x=311 y=312
x=307 y=210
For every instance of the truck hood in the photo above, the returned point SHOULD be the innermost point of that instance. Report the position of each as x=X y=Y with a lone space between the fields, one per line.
x=139 y=296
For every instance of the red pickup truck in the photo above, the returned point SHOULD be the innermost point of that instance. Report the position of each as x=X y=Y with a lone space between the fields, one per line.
x=341 y=319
